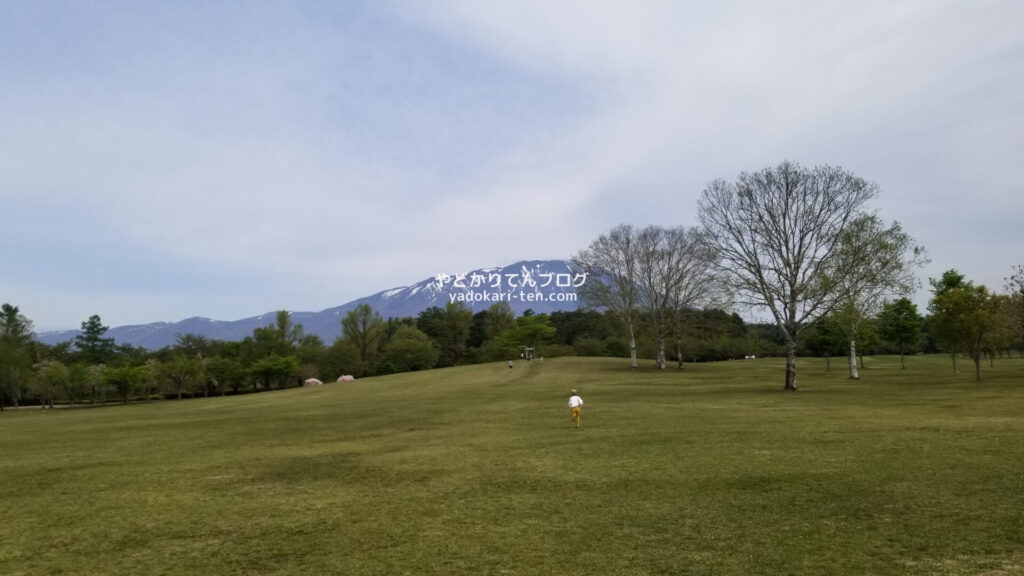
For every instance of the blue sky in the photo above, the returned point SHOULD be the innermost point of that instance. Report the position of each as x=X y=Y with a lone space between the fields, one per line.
x=166 y=160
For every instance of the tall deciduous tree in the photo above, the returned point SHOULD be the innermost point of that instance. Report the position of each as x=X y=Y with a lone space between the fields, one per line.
x=274 y=371
x=1015 y=290
x=875 y=263
x=962 y=316
x=1003 y=333
x=125 y=380
x=499 y=319
x=178 y=374
x=77 y=384
x=674 y=273
x=900 y=322
x=942 y=330
x=697 y=283
x=458 y=320
x=409 y=349
x=825 y=338
x=226 y=373
x=15 y=368
x=777 y=233
x=193 y=344
x=279 y=338
x=657 y=271
x=51 y=377
x=610 y=263
x=364 y=329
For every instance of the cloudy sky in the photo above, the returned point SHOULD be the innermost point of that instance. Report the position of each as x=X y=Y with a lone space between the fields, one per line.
x=166 y=160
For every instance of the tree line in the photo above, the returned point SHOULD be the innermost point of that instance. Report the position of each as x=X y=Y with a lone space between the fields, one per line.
x=963 y=318
x=93 y=369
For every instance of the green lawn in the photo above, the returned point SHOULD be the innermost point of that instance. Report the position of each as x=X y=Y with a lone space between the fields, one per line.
x=477 y=470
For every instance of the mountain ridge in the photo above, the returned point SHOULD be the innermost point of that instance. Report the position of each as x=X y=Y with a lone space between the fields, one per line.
x=543 y=286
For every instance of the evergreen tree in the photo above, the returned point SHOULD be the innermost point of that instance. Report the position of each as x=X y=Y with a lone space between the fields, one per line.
x=15 y=328
x=93 y=347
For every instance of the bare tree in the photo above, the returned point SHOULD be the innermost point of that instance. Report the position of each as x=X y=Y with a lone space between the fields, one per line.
x=874 y=264
x=675 y=272
x=699 y=286
x=1015 y=289
x=610 y=263
x=657 y=265
x=777 y=233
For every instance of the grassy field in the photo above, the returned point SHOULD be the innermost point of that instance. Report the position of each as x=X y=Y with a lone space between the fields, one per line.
x=477 y=470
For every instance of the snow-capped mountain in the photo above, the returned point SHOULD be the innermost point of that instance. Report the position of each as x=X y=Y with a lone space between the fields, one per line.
x=543 y=286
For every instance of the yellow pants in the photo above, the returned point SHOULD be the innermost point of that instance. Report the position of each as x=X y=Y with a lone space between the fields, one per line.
x=576 y=415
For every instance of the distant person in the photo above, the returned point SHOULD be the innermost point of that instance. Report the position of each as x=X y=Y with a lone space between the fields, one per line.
x=575 y=406
x=509 y=364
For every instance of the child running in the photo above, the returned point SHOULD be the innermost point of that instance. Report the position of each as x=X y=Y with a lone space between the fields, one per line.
x=575 y=406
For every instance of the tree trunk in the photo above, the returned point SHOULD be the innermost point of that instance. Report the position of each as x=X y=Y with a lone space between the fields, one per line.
x=679 y=352
x=661 y=353
x=977 y=365
x=789 y=330
x=853 y=360
x=902 y=365
x=790 y=366
x=632 y=349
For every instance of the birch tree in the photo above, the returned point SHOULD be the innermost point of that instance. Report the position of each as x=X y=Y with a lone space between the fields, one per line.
x=777 y=234
x=610 y=263
x=875 y=263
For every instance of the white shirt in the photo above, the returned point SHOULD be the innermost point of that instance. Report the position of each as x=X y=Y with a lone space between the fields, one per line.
x=575 y=401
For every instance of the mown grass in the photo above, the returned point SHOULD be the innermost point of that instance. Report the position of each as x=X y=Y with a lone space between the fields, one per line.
x=477 y=470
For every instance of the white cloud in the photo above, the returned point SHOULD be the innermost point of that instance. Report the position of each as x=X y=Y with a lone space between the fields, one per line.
x=321 y=153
